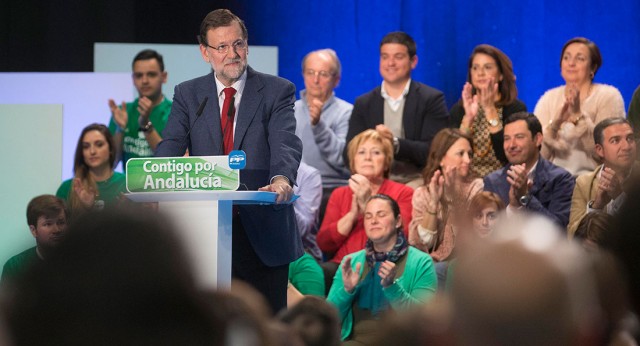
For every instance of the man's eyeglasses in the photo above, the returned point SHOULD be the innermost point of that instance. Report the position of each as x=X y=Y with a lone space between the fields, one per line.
x=322 y=74
x=238 y=46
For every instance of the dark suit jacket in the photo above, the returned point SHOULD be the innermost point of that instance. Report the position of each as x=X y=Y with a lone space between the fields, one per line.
x=550 y=194
x=425 y=113
x=265 y=130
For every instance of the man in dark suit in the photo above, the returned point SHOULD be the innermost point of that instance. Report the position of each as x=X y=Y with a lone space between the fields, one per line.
x=529 y=182
x=264 y=238
x=406 y=112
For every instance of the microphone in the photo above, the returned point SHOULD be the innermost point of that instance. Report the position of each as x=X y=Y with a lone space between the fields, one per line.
x=198 y=113
x=201 y=108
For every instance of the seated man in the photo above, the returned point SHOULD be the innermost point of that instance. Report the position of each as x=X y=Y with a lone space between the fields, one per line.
x=529 y=182
x=323 y=119
x=406 y=112
x=136 y=126
x=605 y=188
x=47 y=220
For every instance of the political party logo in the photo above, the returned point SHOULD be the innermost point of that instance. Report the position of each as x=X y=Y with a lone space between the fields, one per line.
x=237 y=159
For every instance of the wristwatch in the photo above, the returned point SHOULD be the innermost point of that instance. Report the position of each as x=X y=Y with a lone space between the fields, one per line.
x=524 y=200
x=396 y=145
x=493 y=122
x=146 y=128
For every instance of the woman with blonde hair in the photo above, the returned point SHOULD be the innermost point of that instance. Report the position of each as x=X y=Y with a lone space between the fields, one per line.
x=342 y=229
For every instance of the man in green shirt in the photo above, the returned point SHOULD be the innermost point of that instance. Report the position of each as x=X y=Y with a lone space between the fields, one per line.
x=47 y=220
x=136 y=126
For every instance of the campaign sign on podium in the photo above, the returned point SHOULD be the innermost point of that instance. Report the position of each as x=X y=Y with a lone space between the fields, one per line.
x=198 y=194
x=202 y=173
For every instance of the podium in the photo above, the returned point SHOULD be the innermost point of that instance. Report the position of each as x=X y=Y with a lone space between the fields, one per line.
x=202 y=220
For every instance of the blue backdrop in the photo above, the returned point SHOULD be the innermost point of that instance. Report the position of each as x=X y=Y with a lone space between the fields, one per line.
x=530 y=32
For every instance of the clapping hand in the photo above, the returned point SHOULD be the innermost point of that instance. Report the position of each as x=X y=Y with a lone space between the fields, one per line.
x=385 y=132
x=609 y=187
x=361 y=188
x=349 y=276
x=315 y=108
x=85 y=195
x=517 y=178
x=571 y=104
x=435 y=189
x=451 y=185
x=387 y=273
x=469 y=103
x=119 y=113
x=487 y=95
x=144 y=108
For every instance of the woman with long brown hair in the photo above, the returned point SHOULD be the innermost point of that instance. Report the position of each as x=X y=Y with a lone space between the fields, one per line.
x=449 y=185
x=489 y=96
x=95 y=184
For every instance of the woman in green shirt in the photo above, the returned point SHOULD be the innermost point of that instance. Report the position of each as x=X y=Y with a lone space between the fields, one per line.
x=387 y=274
x=95 y=184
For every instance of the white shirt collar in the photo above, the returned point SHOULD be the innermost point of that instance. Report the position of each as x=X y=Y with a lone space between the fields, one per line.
x=238 y=85
x=386 y=96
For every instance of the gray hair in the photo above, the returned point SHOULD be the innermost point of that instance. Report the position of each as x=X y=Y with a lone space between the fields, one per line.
x=332 y=54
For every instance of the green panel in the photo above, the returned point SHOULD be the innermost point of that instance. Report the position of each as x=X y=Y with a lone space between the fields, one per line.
x=31 y=151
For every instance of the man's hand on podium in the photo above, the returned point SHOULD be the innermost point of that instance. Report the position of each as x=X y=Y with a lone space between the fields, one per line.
x=280 y=185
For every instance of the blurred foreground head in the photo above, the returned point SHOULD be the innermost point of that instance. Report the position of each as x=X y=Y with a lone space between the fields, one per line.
x=119 y=278
x=525 y=285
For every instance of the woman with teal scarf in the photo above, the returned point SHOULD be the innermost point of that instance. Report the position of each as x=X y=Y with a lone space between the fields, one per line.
x=387 y=274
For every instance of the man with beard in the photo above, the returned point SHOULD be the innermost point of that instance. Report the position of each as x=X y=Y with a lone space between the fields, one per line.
x=47 y=220
x=242 y=109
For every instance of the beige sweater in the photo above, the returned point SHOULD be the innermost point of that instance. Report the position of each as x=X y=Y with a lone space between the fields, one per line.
x=573 y=148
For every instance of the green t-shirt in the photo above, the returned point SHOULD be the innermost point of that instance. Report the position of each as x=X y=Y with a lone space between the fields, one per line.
x=17 y=264
x=307 y=276
x=134 y=144
x=108 y=190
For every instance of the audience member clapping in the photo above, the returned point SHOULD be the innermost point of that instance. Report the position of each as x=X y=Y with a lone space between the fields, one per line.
x=569 y=113
x=449 y=185
x=342 y=231
x=387 y=274
x=95 y=184
x=489 y=96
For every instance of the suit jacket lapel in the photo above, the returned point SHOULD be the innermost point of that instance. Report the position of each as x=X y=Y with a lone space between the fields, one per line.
x=249 y=104
x=541 y=176
x=211 y=113
x=376 y=111
x=410 y=110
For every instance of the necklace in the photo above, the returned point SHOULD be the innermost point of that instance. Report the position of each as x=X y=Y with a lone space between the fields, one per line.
x=481 y=136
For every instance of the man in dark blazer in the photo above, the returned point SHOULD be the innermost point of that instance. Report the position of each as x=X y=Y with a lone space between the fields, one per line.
x=264 y=238
x=529 y=182
x=406 y=112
